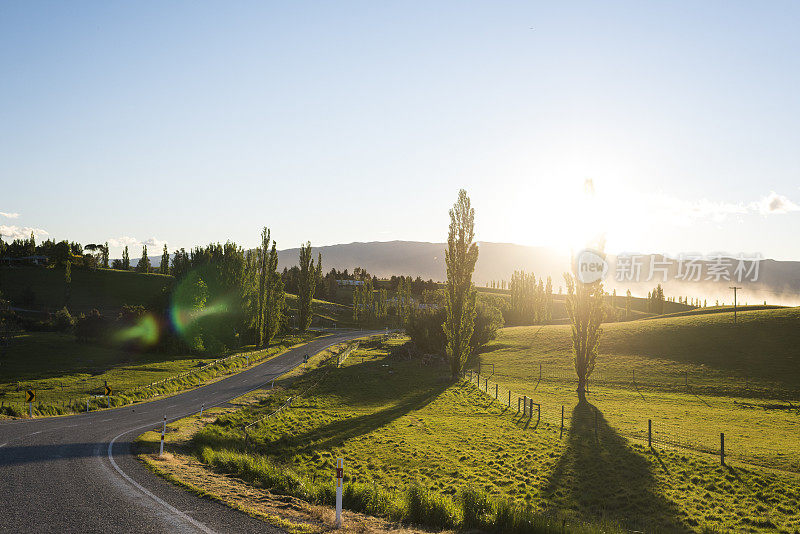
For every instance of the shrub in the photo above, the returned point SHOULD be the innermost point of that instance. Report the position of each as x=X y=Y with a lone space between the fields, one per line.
x=90 y=327
x=425 y=328
x=63 y=321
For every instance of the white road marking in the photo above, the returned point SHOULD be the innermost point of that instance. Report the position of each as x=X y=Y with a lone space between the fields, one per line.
x=144 y=490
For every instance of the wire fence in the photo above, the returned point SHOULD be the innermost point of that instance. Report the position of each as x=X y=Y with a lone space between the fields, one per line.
x=536 y=410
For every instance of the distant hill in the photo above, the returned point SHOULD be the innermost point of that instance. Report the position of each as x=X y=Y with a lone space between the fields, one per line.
x=496 y=261
x=778 y=281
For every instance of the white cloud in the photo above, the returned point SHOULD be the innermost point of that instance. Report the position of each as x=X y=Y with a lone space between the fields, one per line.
x=128 y=241
x=123 y=241
x=154 y=243
x=9 y=215
x=9 y=233
x=774 y=203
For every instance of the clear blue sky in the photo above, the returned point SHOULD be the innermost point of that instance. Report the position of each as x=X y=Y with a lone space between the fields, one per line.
x=343 y=121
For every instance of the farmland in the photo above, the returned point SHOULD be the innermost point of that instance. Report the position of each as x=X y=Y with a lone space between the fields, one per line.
x=407 y=430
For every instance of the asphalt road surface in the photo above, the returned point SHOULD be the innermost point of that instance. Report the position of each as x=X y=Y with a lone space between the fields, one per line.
x=77 y=473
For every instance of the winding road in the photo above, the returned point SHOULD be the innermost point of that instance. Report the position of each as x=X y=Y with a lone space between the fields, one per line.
x=78 y=473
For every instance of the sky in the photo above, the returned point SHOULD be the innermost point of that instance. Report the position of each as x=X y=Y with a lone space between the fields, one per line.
x=664 y=126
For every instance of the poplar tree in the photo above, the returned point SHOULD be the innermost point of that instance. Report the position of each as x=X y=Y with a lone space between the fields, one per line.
x=67 y=282
x=274 y=297
x=126 y=260
x=307 y=281
x=585 y=307
x=628 y=299
x=144 y=264
x=164 y=267
x=104 y=255
x=460 y=258
x=271 y=297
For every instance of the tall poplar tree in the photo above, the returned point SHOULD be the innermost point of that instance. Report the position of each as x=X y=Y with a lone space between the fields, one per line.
x=67 y=282
x=275 y=297
x=460 y=258
x=144 y=264
x=104 y=256
x=126 y=260
x=164 y=267
x=271 y=296
x=585 y=307
x=307 y=281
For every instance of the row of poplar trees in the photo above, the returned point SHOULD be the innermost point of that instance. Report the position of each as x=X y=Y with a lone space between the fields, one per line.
x=531 y=302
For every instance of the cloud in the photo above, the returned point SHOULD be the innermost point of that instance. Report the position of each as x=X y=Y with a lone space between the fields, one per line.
x=153 y=242
x=682 y=211
x=9 y=215
x=9 y=233
x=123 y=241
x=774 y=203
x=128 y=241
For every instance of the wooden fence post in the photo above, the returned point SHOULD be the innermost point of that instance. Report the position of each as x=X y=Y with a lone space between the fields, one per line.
x=509 y=398
x=650 y=433
x=722 y=448
x=562 y=422
x=496 y=390
x=595 y=426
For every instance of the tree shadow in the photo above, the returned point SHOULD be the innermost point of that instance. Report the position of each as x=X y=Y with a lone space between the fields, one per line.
x=338 y=432
x=600 y=477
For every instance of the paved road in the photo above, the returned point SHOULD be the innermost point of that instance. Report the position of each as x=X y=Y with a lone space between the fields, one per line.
x=77 y=473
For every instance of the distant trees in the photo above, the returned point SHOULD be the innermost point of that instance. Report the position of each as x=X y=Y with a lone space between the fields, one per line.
x=307 y=282
x=144 y=264
x=655 y=300
x=585 y=308
x=164 y=267
x=531 y=301
x=126 y=260
x=460 y=258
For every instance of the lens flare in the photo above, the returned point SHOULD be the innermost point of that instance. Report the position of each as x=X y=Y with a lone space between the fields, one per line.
x=145 y=332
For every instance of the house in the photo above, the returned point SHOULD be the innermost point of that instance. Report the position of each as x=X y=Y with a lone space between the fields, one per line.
x=350 y=282
x=25 y=260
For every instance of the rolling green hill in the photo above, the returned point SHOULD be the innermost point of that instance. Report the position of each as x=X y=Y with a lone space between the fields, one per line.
x=39 y=288
x=694 y=376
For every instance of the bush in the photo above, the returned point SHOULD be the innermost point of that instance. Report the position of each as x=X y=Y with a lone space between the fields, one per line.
x=63 y=321
x=90 y=327
x=425 y=328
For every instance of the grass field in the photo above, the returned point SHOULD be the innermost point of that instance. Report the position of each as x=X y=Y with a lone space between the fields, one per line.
x=407 y=426
x=104 y=289
x=64 y=372
x=743 y=379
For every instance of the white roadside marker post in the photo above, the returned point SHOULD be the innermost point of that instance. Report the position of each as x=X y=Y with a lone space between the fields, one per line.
x=30 y=410
x=339 y=475
x=201 y=409
x=163 y=431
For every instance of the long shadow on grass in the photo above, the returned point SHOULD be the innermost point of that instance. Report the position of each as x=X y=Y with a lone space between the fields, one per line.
x=372 y=383
x=604 y=478
x=338 y=432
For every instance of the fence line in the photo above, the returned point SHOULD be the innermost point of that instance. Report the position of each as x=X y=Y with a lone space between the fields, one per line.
x=650 y=432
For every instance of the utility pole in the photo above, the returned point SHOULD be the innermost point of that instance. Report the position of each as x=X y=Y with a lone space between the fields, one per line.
x=734 y=302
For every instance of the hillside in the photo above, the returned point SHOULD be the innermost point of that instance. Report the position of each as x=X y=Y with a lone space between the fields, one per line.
x=107 y=290
x=762 y=347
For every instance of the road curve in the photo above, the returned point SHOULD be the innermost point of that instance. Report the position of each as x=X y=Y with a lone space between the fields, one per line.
x=77 y=473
